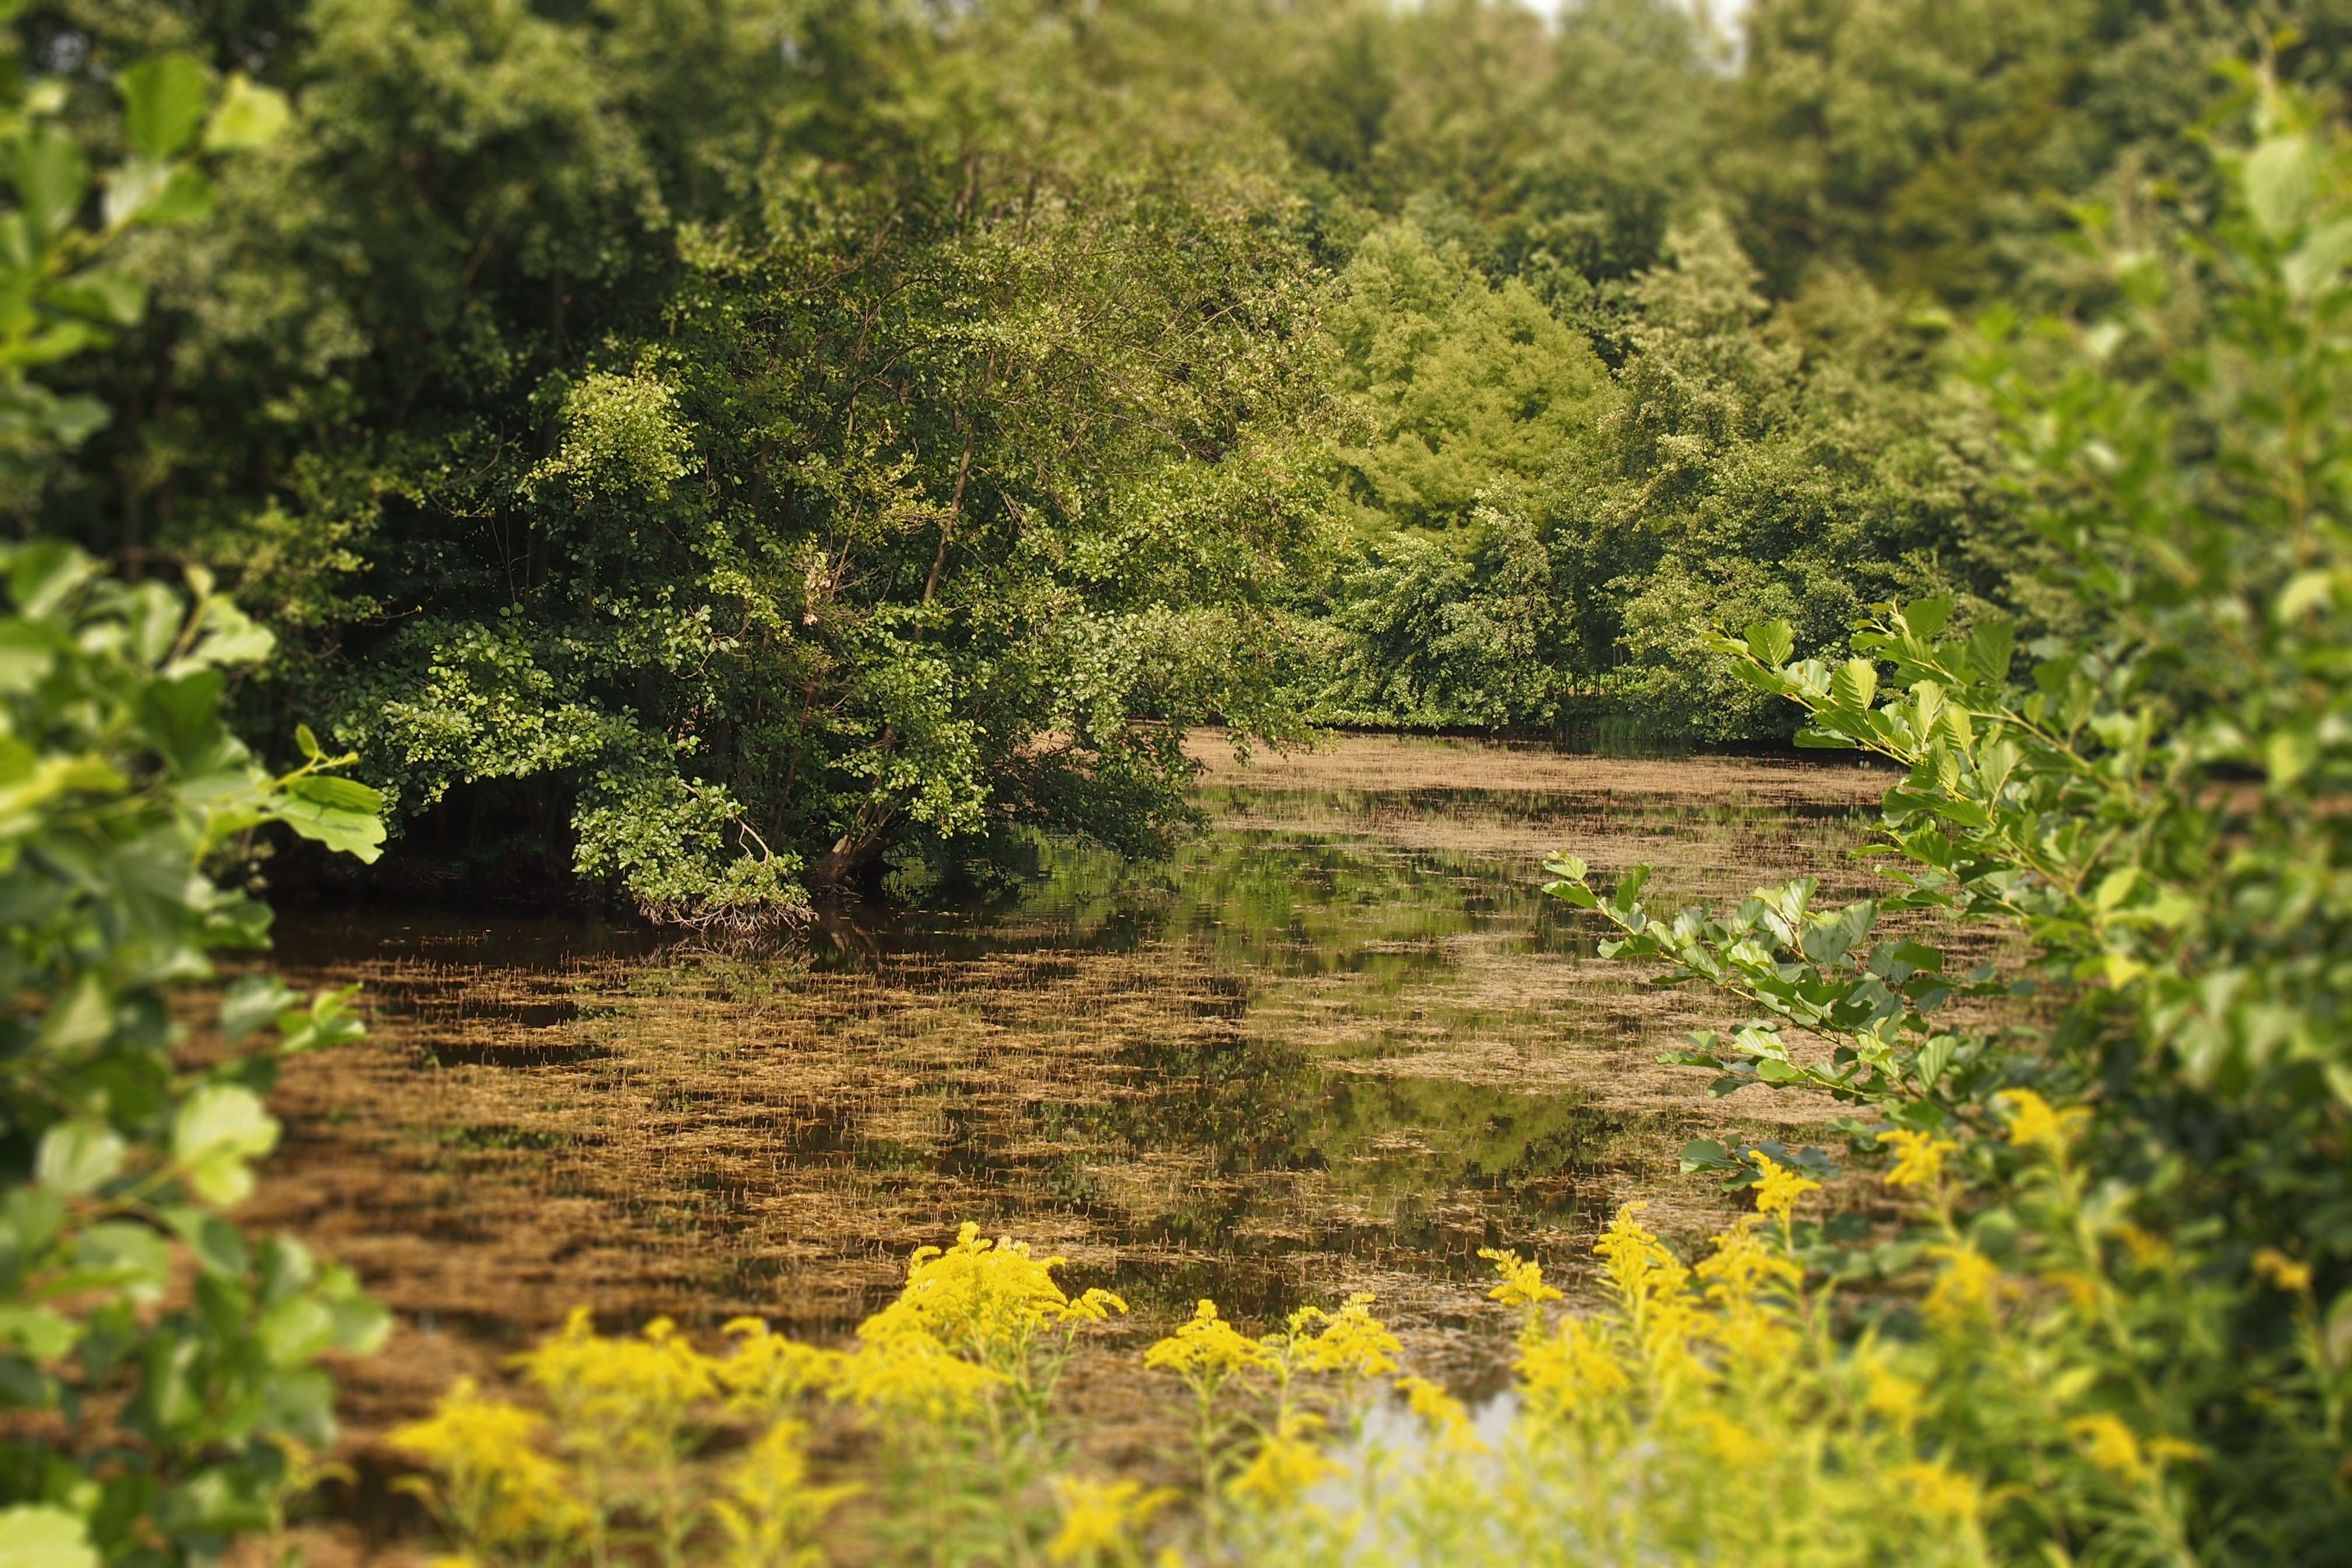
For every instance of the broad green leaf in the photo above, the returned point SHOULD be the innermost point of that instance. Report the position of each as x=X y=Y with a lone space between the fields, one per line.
x=217 y=1244
x=1925 y=617
x=217 y=1131
x=80 y=1019
x=2319 y=260
x=1991 y=646
x=45 y=574
x=2279 y=178
x=2115 y=888
x=339 y=813
x=307 y=742
x=42 y=1334
x=114 y=298
x=40 y=1536
x=248 y=116
x=51 y=179
x=181 y=720
x=1855 y=685
x=27 y=654
x=162 y=104
x=254 y=1001
x=1771 y=642
x=79 y=1157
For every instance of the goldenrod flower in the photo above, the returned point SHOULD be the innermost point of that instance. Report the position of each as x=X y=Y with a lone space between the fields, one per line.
x=984 y=1298
x=1571 y=1370
x=770 y=1511
x=768 y=1371
x=1523 y=1282
x=1937 y=1492
x=2285 y=1272
x=1353 y=1342
x=1963 y=1292
x=913 y=1375
x=628 y=1394
x=1446 y=1415
x=1892 y=1396
x=2147 y=1251
x=1207 y=1348
x=498 y=1488
x=1099 y=1517
x=2110 y=1446
x=1732 y=1443
x=2034 y=1122
x=1778 y=1192
x=1286 y=1465
x=1918 y=1157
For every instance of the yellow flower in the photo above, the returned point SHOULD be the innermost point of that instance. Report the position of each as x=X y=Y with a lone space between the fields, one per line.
x=1651 y=1283
x=1573 y=1370
x=2146 y=1251
x=498 y=1488
x=2283 y=1271
x=1444 y=1414
x=1963 y=1292
x=628 y=1394
x=1098 y=1517
x=768 y=1371
x=1353 y=1342
x=1285 y=1466
x=770 y=1512
x=1523 y=1282
x=2111 y=1446
x=986 y=1299
x=1778 y=1192
x=1892 y=1395
x=1918 y=1157
x=1208 y=1349
x=1732 y=1443
x=1936 y=1492
x=2033 y=1122
x=914 y=1376
x=1738 y=1275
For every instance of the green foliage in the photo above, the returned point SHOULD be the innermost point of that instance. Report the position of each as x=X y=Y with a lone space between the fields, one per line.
x=158 y=1369
x=2155 y=814
x=178 y=1355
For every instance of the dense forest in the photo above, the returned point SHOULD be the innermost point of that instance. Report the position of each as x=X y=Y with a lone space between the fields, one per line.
x=711 y=450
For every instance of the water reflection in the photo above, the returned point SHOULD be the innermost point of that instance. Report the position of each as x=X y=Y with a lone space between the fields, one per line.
x=1338 y=1043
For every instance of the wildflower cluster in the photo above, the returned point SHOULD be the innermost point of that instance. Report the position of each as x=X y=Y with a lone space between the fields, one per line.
x=620 y=1472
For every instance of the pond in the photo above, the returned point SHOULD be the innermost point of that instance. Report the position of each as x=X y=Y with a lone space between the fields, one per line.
x=1339 y=1042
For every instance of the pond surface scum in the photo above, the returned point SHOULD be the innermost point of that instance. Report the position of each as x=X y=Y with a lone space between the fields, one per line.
x=1339 y=1042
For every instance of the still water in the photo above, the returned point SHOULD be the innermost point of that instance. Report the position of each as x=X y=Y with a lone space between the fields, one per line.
x=1339 y=1042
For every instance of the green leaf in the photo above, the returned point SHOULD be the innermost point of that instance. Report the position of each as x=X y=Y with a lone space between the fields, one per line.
x=80 y=1019
x=252 y=1001
x=217 y=1131
x=307 y=742
x=162 y=104
x=79 y=1157
x=2279 y=179
x=1706 y=1155
x=339 y=813
x=1855 y=685
x=40 y=1536
x=248 y=116
x=1991 y=646
x=115 y=297
x=1771 y=643
x=40 y=1334
x=1925 y=617
x=217 y=1244
x=51 y=179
